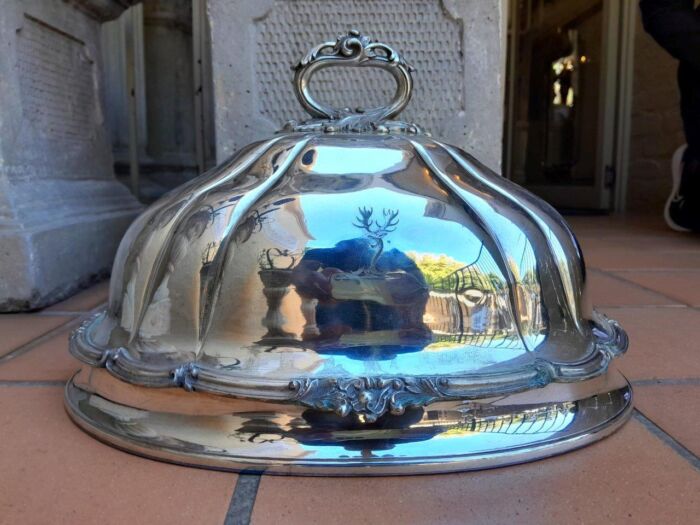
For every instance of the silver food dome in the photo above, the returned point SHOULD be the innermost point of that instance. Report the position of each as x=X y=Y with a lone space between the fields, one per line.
x=351 y=297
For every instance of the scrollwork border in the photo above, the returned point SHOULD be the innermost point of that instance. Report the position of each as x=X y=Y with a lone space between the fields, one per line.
x=368 y=397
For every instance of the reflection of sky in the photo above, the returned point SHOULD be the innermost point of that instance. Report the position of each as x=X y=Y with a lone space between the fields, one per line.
x=330 y=217
x=330 y=160
x=451 y=443
x=460 y=358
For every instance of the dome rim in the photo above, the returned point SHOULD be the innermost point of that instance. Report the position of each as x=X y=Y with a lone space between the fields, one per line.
x=107 y=417
x=352 y=394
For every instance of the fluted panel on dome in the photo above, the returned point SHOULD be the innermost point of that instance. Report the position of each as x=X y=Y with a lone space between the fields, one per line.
x=284 y=280
x=134 y=237
x=173 y=317
x=512 y=220
x=501 y=234
x=567 y=258
x=148 y=256
x=256 y=303
x=239 y=219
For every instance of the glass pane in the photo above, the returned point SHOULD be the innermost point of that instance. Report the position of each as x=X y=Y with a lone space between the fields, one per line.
x=557 y=95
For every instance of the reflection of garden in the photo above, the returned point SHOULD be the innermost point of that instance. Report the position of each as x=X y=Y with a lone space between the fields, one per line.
x=317 y=428
x=471 y=303
x=362 y=294
x=358 y=287
x=503 y=420
x=468 y=303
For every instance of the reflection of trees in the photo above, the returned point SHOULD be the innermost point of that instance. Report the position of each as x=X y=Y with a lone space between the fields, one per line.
x=434 y=268
x=470 y=300
x=480 y=275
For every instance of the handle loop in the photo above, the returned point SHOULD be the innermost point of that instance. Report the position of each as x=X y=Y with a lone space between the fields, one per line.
x=353 y=50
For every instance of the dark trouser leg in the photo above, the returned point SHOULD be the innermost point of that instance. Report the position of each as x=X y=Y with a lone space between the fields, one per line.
x=684 y=209
x=689 y=85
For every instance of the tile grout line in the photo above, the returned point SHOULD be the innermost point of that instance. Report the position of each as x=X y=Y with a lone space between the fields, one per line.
x=59 y=313
x=648 y=269
x=23 y=383
x=644 y=306
x=676 y=303
x=685 y=381
x=26 y=347
x=667 y=439
x=653 y=270
x=30 y=345
x=240 y=508
x=646 y=289
x=663 y=294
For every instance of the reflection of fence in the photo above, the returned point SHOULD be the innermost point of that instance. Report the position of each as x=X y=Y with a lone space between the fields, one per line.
x=551 y=418
x=500 y=420
x=492 y=340
x=453 y=313
x=481 y=274
x=472 y=301
x=475 y=299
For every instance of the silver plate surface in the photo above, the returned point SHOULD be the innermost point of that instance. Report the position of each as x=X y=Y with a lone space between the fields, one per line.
x=445 y=437
x=349 y=297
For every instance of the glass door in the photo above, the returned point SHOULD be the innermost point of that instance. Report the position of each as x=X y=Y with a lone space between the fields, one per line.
x=560 y=132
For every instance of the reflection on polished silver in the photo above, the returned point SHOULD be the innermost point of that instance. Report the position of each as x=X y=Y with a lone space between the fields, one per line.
x=344 y=297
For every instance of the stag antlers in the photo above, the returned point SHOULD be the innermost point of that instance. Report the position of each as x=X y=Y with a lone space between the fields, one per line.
x=374 y=228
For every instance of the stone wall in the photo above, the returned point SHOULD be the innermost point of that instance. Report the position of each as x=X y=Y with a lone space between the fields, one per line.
x=62 y=213
x=655 y=130
x=456 y=46
x=160 y=35
x=169 y=85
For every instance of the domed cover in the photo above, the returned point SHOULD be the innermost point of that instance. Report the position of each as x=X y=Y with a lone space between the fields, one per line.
x=353 y=265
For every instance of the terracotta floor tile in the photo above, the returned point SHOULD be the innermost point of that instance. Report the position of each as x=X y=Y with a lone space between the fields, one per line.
x=635 y=243
x=626 y=258
x=606 y=290
x=631 y=477
x=620 y=225
x=49 y=361
x=52 y=472
x=18 y=329
x=85 y=300
x=674 y=408
x=657 y=243
x=664 y=342
x=684 y=286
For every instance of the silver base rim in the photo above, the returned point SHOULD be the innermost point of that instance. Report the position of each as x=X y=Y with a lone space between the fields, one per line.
x=143 y=433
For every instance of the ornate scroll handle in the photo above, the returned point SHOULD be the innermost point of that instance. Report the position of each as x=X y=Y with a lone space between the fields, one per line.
x=353 y=50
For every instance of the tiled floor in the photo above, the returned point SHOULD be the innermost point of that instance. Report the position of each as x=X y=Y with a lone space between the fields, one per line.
x=639 y=273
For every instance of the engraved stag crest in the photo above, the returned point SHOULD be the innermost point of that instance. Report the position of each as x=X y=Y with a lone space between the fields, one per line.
x=376 y=230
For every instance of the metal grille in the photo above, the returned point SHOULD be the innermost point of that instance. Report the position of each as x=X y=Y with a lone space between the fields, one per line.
x=420 y=30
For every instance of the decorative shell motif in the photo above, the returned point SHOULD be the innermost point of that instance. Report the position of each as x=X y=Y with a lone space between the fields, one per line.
x=369 y=397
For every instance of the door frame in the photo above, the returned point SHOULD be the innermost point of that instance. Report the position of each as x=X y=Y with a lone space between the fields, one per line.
x=628 y=28
x=619 y=23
